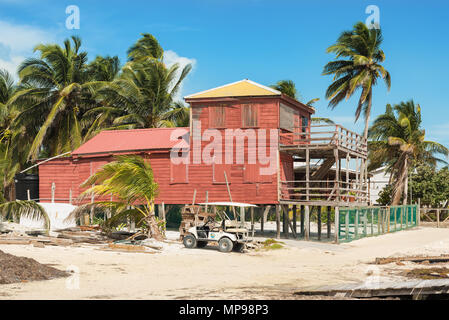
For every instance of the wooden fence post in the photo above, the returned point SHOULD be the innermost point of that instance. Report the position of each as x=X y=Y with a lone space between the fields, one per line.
x=438 y=218
x=418 y=213
x=53 y=188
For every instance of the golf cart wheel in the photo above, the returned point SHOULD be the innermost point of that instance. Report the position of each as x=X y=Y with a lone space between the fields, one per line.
x=201 y=244
x=189 y=241
x=225 y=245
x=238 y=247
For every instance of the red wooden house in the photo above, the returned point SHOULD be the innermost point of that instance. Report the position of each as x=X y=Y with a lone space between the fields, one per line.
x=244 y=105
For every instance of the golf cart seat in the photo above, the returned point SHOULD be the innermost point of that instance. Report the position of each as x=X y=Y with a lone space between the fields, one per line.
x=241 y=230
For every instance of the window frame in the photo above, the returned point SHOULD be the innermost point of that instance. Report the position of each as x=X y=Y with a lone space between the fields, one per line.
x=255 y=108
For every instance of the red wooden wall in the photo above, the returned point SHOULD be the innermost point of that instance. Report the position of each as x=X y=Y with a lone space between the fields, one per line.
x=178 y=183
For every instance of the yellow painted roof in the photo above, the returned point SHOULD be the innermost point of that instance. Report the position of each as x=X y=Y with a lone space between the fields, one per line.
x=243 y=88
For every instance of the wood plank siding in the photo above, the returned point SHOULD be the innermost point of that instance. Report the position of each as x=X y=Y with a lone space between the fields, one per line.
x=177 y=182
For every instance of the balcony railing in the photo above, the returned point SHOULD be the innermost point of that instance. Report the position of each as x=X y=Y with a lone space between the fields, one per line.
x=319 y=191
x=320 y=135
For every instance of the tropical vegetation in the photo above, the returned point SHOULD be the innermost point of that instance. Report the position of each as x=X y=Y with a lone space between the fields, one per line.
x=398 y=142
x=130 y=182
x=358 y=65
x=61 y=100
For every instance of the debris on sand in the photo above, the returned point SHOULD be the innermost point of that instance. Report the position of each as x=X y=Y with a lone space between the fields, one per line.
x=428 y=273
x=19 y=269
x=415 y=259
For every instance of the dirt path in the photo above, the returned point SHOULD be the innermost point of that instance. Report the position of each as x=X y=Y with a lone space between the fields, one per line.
x=208 y=274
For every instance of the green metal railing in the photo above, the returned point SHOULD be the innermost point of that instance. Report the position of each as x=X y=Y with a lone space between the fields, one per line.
x=357 y=223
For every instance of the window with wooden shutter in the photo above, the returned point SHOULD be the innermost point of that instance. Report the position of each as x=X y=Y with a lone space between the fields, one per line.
x=217 y=116
x=250 y=117
x=287 y=117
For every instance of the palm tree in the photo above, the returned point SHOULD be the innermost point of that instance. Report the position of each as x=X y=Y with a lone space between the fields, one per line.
x=10 y=159
x=144 y=93
x=398 y=141
x=129 y=179
x=358 y=66
x=104 y=68
x=16 y=209
x=288 y=88
x=55 y=91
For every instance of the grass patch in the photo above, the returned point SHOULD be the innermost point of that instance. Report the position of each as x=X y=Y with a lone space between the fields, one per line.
x=271 y=244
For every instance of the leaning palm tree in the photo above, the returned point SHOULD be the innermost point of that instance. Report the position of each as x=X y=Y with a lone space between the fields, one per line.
x=55 y=91
x=358 y=66
x=129 y=180
x=14 y=210
x=398 y=141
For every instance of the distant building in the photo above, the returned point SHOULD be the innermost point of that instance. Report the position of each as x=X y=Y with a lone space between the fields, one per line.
x=378 y=180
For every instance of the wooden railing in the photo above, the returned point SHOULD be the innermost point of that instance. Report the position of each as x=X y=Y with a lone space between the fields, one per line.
x=314 y=190
x=323 y=135
x=438 y=215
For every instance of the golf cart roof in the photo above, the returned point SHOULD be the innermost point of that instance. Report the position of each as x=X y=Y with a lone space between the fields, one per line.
x=230 y=204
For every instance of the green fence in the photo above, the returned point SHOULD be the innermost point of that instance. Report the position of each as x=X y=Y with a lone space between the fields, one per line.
x=357 y=223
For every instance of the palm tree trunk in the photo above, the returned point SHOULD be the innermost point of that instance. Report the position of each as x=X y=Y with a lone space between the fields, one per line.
x=368 y=116
x=406 y=182
x=153 y=229
x=401 y=182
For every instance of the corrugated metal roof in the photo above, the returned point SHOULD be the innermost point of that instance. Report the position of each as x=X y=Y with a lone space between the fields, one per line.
x=122 y=141
x=243 y=88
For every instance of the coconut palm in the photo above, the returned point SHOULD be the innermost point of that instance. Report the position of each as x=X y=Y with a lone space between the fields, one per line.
x=30 y=209
x=129 y=180
x=288 y=88
x=104 y=68
x=145 y=91
x=56 y=90
x=10 y=159
x=358 y=66
x=398 y=141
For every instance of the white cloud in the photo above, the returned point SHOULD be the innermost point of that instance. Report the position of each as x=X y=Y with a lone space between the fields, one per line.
x=18 y=42
x=170 y=58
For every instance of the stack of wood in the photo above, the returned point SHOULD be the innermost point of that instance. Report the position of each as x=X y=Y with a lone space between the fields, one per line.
x=193 y=216
x=39 y=241
x=77 y=235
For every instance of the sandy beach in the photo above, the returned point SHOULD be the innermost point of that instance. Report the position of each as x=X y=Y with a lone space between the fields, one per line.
x=179 y=273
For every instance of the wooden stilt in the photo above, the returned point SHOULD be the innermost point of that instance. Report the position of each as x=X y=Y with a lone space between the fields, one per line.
x=307 y=223
x=337 y=220
x=319 y=221
x=278 y=222
x=295 y=218
x=302 y=220
x=329 y=226
x=252 y=219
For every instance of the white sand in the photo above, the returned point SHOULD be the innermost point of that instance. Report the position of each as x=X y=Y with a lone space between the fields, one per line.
x=207 y=274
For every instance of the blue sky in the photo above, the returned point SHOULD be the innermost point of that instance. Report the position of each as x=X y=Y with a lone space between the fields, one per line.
x=262 y=40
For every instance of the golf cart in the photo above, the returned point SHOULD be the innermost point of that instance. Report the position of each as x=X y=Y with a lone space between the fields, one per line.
x=229 y=234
